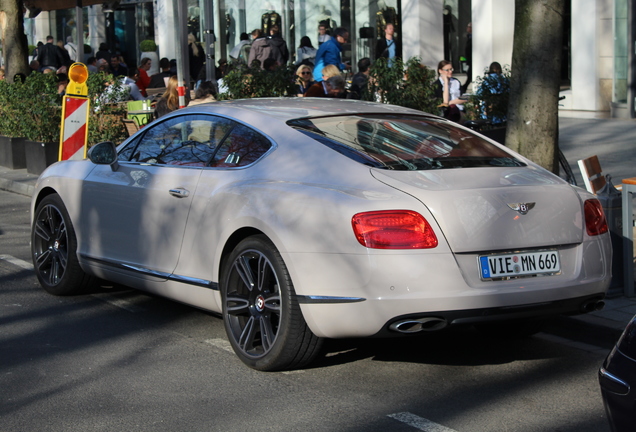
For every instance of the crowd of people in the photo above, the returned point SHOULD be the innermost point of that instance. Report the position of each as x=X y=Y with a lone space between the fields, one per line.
x=319 y=71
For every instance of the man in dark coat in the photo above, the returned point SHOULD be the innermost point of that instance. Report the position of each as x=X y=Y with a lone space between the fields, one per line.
x=157 y=80
x=50 y=56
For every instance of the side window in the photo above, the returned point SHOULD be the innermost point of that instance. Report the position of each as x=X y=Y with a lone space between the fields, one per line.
x=184 y=141
x=242 y=147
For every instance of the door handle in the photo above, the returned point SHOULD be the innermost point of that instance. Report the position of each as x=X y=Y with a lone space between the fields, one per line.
x=179 y=192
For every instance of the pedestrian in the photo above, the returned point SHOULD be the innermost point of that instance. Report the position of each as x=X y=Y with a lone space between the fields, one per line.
x=71 y=48
x=304 y=79
x=449 y=90
x=206 y=92
x=241 y=52
x=1 y=73
x=306 y=53
x=49 y=55
x=468 y=54
x=387 y=45
x=323 y=36
x=160 y=79
x=130 y=81
x=91 y=64
x=169 y=101
x=196 y=56
x=329 y=53
x=103 y=52
x=332 y=87
x=67 y=58
x=116 y=67
x=360 y=80
x=261 y=50
x=279 y=47
x=34 y=65
x=102 y=65
x=144 y=80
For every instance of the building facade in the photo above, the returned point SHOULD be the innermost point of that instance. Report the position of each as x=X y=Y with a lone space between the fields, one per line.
x=597 y=75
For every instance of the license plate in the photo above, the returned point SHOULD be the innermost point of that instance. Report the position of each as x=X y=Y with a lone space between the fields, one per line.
x=519 y=264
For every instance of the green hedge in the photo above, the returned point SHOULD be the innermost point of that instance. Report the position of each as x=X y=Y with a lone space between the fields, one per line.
x=33 y=110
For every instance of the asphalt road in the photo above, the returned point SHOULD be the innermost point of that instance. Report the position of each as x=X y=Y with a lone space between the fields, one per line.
x=118 y=359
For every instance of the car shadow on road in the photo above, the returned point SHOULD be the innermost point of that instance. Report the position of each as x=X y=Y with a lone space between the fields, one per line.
x=461 y=346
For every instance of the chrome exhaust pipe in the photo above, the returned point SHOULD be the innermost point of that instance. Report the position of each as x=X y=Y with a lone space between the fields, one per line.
x=591 y=306
x=416 y=325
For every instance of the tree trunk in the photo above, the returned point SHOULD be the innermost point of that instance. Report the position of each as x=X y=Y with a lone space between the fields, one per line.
x=533 y=123
x=14 y=40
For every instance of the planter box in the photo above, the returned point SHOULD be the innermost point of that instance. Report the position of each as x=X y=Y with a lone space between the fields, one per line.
x=40 y=155
x=12 y=152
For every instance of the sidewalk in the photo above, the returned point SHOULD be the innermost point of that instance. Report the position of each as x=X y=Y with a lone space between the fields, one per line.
x=613 y=140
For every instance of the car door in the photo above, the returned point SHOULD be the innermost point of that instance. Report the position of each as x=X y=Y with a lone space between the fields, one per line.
x=219 y=197
x=137 y=214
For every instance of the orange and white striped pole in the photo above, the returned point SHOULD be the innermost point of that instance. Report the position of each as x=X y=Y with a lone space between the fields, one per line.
x=75 y=109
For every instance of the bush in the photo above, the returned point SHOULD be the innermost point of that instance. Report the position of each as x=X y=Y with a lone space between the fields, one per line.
x=33 y=110
x=407 y=84
x=148 y=45
x=243 y=82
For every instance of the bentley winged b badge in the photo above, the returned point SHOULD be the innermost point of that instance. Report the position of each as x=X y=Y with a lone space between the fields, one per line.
x=522 y=208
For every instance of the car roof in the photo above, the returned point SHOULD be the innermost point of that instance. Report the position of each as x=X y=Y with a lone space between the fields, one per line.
x=284 y=109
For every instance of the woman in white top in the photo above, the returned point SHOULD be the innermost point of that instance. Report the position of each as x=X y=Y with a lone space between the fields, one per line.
x=449 y=89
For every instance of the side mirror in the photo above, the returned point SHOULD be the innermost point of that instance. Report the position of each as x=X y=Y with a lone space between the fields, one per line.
x=104 y=153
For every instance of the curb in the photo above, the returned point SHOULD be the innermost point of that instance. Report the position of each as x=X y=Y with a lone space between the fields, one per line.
x=17 y=187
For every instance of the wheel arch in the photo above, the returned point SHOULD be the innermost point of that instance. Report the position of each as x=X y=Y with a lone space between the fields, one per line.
x=232 y=241
x=43 y=193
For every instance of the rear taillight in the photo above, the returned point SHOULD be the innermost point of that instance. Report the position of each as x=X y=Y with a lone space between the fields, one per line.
x=393 y=229
x=595 y=222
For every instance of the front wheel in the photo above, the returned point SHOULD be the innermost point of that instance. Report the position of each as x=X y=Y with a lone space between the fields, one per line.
x=53 y=248
x=262 y=317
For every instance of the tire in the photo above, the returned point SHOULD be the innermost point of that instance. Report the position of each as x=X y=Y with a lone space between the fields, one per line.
x=53 y=248
x=262 y=318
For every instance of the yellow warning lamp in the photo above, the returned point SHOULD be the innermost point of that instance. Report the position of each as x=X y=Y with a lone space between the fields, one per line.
x=77 y=76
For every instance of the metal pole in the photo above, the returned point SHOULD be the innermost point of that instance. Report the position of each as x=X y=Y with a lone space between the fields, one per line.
x=79 y=25
x=180 y=11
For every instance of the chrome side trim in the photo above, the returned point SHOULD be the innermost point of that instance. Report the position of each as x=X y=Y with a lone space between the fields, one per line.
x=624 y=387
x=160 y=275
x=327 y=299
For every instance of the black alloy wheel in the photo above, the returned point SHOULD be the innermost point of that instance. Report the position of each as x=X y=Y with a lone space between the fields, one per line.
x=53 y=247
x=262 y=318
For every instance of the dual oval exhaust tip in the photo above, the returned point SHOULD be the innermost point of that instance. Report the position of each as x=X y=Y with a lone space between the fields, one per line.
x=416 y=325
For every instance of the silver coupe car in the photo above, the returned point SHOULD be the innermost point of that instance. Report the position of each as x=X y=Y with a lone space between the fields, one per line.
x=303 y=219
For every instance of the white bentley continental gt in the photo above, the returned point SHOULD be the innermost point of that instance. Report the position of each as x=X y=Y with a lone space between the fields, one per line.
x=303 y=219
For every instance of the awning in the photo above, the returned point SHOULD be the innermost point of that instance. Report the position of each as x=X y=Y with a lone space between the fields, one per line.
x=49 y=5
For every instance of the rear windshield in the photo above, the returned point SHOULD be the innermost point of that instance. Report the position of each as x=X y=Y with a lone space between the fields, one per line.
x=406 y=143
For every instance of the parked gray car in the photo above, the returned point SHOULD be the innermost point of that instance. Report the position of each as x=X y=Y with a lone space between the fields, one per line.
x=302 y=219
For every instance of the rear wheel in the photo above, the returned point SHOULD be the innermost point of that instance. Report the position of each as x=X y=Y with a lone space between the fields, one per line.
x=53 y=248
x=262 y=317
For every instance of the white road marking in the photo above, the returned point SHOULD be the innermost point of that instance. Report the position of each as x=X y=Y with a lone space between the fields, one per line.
x=16 y=261
x=419 y=422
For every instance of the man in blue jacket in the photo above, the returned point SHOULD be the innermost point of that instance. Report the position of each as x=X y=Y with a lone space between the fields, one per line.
x=329 y=53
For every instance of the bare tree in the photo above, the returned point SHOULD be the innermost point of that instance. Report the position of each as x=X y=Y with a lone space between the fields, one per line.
x=14 y=40
x=533 y=128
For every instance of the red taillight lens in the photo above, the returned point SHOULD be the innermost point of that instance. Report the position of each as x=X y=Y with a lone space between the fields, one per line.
x=595 y=222
x=393 y=229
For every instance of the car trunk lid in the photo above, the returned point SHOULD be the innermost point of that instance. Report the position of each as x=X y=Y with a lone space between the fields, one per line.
x=493 y=209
